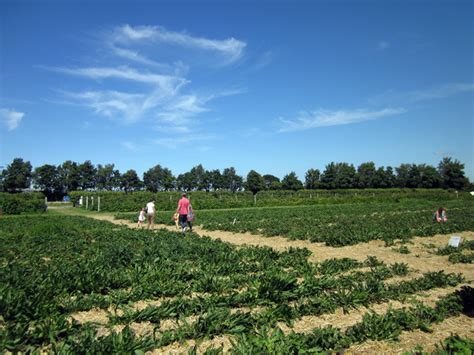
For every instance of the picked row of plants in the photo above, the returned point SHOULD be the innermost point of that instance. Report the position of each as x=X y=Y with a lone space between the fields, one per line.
x=337 y=225
x=51 y=267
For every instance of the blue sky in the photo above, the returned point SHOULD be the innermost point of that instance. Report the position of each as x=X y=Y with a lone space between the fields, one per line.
x=275 y=86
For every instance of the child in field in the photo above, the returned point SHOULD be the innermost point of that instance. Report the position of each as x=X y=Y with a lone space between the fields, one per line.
x=176 y=220
x=440 y=215
x=141 y=218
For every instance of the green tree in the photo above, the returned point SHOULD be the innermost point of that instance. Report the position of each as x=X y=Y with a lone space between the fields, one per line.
x=254 y=182
x=107 y=177
x=338 y=176
x=271 y=182
x=158 y=179
x=291 y=182
x=312 y=177
x=69 y=176
x=231 y=181
x=184 y=182
x=17 y=175
x=87 y=175
x=130 y=181
x=215 y=179
x=452 y=174
x=366 y=174
x=429 y=176
x=403 y=175
x=200 y=178
x=48 y=179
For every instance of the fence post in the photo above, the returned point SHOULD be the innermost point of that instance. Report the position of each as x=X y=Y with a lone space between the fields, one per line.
x=255 y=200
x=46 y=202
x=87 y=202
x=98 y=204
x=92 y=202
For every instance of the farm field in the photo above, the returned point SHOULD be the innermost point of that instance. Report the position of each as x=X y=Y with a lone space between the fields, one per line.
x=74 y=284
x=337 y=225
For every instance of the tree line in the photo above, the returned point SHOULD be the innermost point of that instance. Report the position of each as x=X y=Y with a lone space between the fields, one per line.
x=57 y=180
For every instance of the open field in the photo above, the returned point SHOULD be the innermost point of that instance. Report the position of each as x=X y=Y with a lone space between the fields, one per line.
x=79 y=281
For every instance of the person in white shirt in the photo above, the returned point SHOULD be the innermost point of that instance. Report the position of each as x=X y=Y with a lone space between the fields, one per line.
x=150 y=213
x=141 y=218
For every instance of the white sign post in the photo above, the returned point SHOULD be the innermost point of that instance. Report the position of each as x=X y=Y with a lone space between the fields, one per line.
x=454 y=241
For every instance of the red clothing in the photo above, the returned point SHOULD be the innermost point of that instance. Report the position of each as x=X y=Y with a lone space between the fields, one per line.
x=183 y=206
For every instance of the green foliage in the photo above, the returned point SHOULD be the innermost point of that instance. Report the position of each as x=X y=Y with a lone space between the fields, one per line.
x=16 y=176
x=22 y=203
x=336 y=224
x=402 y=250
x=459 y=255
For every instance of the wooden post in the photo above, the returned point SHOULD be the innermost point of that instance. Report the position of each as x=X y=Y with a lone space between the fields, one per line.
x=87 y=202
x=255 y=200
x=98 y=204
x=92 y=202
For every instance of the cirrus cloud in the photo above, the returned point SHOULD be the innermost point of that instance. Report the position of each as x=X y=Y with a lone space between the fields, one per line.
x=10 y=118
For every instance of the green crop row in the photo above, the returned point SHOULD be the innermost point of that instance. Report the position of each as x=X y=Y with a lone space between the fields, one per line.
x=166 y=201
x=337 y=225
x=19 y=203
x=52 y=266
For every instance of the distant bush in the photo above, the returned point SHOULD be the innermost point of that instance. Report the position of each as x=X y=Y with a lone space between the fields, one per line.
x=22 y=202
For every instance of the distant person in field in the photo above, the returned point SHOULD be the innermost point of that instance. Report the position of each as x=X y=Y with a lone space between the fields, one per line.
x=440 y=215
x=190 y=217
x=183 y=210
x=150 y=214
x=141 y=218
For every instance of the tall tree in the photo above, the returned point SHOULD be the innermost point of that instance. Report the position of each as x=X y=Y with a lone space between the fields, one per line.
x=291 y=182
x=69 y=176
x=130 y=181
x=107 y=177
x=47 y=178
x=312 y=177
x=452 y=174
x=231 y=180
x=215 y=179
x=17 y=175
x=200 y=178
x=338 y=176
x=271 y=182
x=184 y=182
x=429 y=176
x=158 y=179
x=365 y=175
x=254 y=182
x=403 y=175
x=87 y=175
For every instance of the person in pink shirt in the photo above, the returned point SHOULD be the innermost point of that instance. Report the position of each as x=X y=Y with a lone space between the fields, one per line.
x=182 y=210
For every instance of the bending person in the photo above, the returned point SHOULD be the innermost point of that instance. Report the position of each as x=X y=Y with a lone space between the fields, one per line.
x=440 y=215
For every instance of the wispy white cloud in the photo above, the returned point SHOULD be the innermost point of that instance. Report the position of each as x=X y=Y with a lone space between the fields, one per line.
x=383 y=45
x=167 y=83
x=323 y=118
x=231 y=48
x=161 y=93
x=129 y=145
x=441 y=92
x=175 y=142
x=393 y=97
x=112 y=104
x=10 y=118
